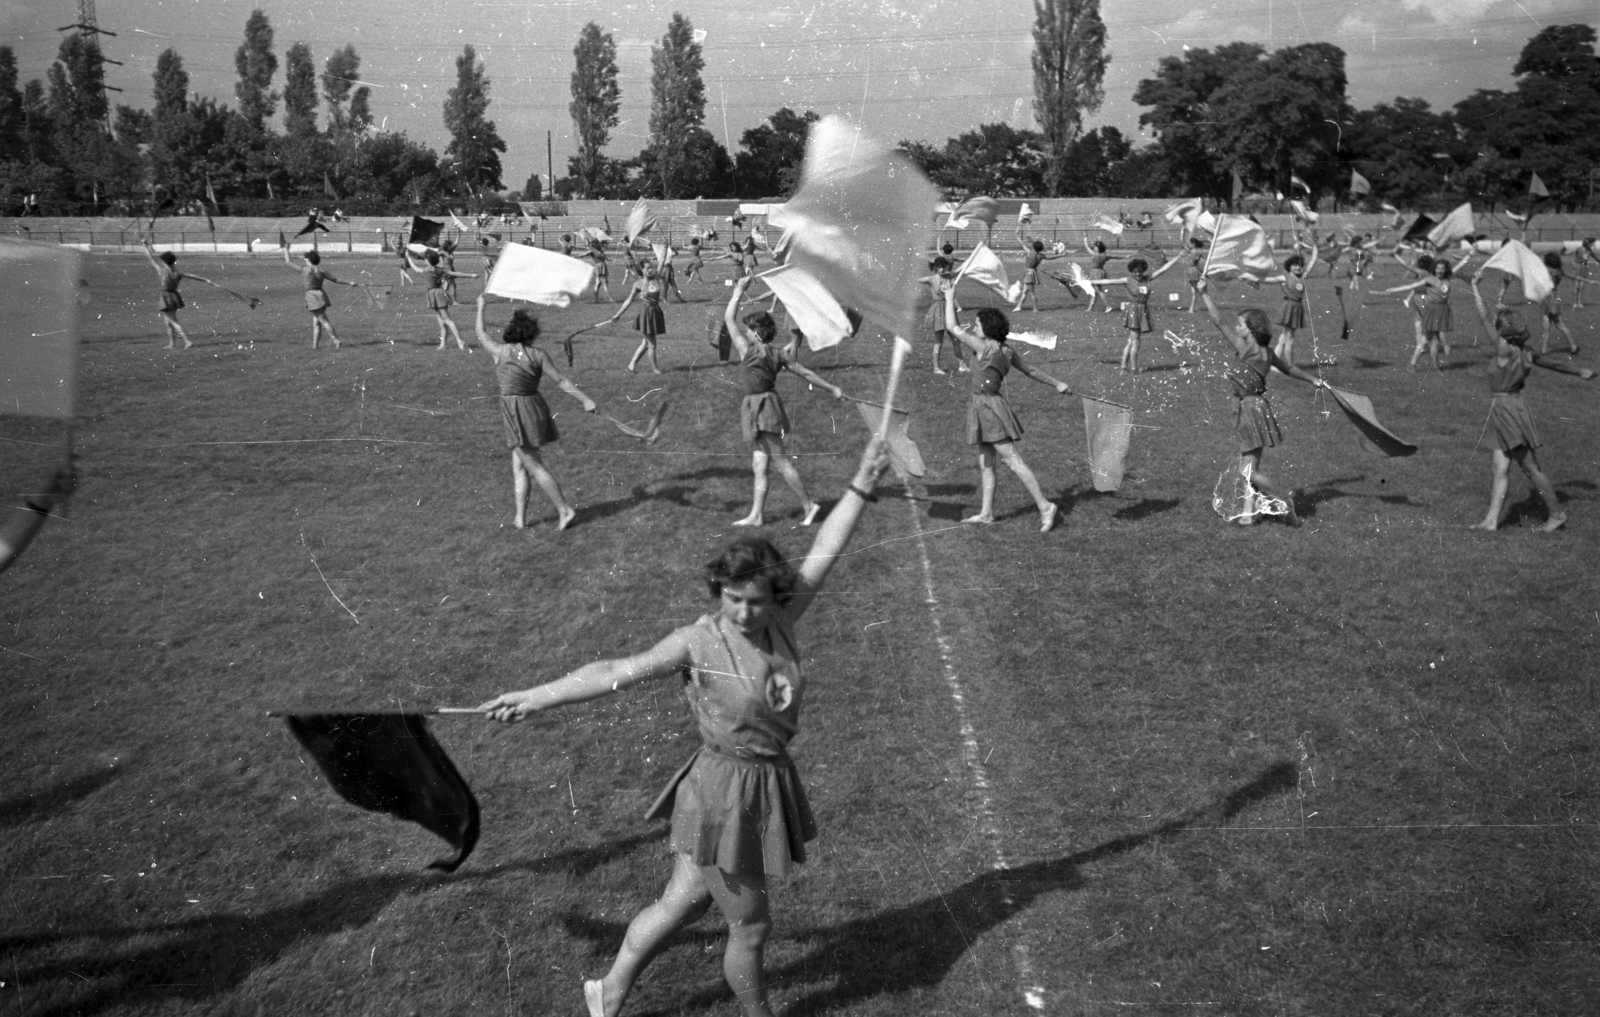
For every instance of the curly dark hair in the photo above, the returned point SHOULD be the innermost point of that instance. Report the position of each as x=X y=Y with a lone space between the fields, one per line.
x=1511 y=326
x=1099 y=247
x=1293 y=262
x=1038 y=245
x=168 y=257
x=1257 y=323
x=521 y=330
x=994 y=324
x=314 y=257
x=948 y=249
x=1425 y=262
x=939 y=264
x=1552 y=260
x=752 y=559
x=1138 y=266
x=432 y=257
x=761 y=323
x=1443 y=269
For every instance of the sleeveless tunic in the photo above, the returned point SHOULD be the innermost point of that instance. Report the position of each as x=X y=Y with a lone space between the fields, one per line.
x=438 y=296
x=1509 y=417
x=762 y=410
x=524 y=416
x=935 y=316
x=990 y=418
x=1032 y=259
x=737 y=803
x=1097 y=265
x=1254 y=424
x=1551 y=305
x=1293 y=314
x=1137 y=318
x=316 y=297
x=650 y=320
x=1436 y=309
x=171 y=299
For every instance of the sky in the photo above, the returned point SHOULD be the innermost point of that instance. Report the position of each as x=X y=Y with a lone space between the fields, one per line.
x=904 y=69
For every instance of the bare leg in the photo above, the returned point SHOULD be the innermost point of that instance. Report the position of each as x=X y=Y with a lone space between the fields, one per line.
x=986 y=483
x=684 y=901
x=1286 y=345
x=1013 y=459
x=174 y=330
x=531 y=462
x=520 y=483
x=1497 y=492
x=791 y=476
x=938 y=343
x=450 y=323
x=1261 y=482
x=633 y=362
x=758 y=487
x=743 y=901
x=327 y=325
x=1572 y=345
x=1528 y=459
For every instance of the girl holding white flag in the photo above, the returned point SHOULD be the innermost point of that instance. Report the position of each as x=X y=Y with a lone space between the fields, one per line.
x=519 y=366
x=1254 y=424
x=1516 y=438
x=761 y=415
x=942 y=280
x=650 y=321
x=739 y=813
x=992 y=424
x=1097 y=270
x=1033 y=255
x=1292 y=318
x=1137 y=319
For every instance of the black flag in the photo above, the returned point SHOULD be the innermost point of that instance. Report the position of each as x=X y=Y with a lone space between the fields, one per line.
x=389 y=762
x=425 y=231
x=1419 y=230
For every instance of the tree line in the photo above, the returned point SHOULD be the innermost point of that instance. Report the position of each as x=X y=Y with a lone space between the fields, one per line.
x=1222 y=121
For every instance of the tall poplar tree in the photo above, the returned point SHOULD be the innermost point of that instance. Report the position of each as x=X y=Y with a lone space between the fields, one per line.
x=299 y=92
x=256 y=64
x=677 y=103
x=1069 y=68
x=475 y=144
x=596 y=99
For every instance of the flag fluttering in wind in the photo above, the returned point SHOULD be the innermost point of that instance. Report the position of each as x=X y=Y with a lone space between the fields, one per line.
x=1108 y=224
x=1358 y=408
x=1514 y=258
x=463 y=227
x=424 y=232
x=590 y=234
x=904 y=455
x=1391 y=215
x=662 y=251
x=1239 y=245
x=810 y=306
x=975 y=209
x=859 y=223
x=539 y=276
x=39 y=347
x=390 y=762
x=1080 y=279
x=1238 y=185
x=1295 y=181
x=327 y=186
x=1108 y=427
x=1419 y=229
x=983 y=266
x=640 y=221
x=1302 y=212
x=1043 y=340
x=1536 y=187
x=1453 y=227
x=1359 y=184
x=1191 y=215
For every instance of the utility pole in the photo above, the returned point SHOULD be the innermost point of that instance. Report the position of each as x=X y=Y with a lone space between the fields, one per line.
x=549 y=165
x=88 y=28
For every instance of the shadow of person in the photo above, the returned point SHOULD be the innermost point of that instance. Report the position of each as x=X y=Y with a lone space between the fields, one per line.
x=918 y=944
x=38 y=806
x=202 y=957
x=677 y=489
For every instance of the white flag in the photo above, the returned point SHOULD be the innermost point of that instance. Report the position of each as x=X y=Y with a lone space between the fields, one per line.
x=985 y=267
x=1515 y=259
x=1239 y=245
x=539 y=276
x=1453 y=227
x=811 y=307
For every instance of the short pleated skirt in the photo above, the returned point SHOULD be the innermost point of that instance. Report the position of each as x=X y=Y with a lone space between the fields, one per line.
x=650 y=320
x=1030 y=276
x=1551 y=306
x=934 y=319
x=171 y=300
x=1193 y=275
x=1098 y=273
x=991 y=420
x=762 y=412
x=527 y=421
x=316 y=300
x=602 y=270
x=1293 y=314
x=438 y=299
x=746 y=817
x=1511 y=422
x=1137 y=318
x=1436 y=318
x=1255 y=425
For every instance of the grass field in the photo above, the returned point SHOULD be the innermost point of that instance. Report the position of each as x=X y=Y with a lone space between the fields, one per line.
x=1146 y=763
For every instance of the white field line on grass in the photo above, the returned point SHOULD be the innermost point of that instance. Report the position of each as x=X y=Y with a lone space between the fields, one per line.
x=1033 y=994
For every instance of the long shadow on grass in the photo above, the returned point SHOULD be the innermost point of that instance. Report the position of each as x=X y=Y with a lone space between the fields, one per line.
x=1309 y=498
x=678 y=489
x=203 y=957
x=917 y=945
x=34 y=808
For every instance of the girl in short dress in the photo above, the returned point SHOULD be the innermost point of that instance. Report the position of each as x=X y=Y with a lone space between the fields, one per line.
x=519 y=366
x=316 y=298
x=1098 y=258
x=1292 y=318
x=1198 y=250
x=739 y=813
x=166 y=267
x=1033 y=255
x=1551 y=306
x=942 y=279
x=1254 y=424
x=1432 y=307
x=439 y=300
x=1515 y=437
x=692 y=272
x=602 y=269
x=650 y=321
x=1137 y=319
x=761 y=415
x=992 y=425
